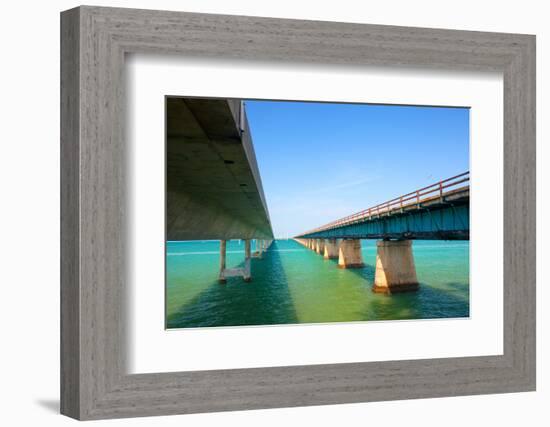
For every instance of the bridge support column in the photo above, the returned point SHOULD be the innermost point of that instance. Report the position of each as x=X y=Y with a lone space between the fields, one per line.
x=243 y=272
x=320 y=246
x=246 y=270
x=221 y=276
x=395 y=270
x=349 y=255
x=331 y=249
x=260 y=247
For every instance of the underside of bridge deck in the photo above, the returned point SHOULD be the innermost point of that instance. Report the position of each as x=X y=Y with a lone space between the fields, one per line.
x=213 y=184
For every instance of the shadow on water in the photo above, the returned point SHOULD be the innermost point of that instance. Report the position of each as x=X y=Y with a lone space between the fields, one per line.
x=366 y=272
x=429 y=302
x=265 y=300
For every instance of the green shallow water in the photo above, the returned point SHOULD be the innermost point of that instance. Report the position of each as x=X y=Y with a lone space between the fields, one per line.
x=292 y=284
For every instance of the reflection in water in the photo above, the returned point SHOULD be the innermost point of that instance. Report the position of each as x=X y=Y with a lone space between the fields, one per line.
x=292 y=284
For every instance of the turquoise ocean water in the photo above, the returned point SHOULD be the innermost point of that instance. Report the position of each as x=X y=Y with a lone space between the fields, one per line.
x=292 y=284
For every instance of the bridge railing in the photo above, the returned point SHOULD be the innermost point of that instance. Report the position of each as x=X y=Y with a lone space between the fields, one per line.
x=414 y=198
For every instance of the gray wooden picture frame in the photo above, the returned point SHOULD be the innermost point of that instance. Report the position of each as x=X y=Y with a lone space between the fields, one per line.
x=94 y=381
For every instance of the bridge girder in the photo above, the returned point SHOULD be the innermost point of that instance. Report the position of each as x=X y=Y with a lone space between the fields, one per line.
x=445 y=222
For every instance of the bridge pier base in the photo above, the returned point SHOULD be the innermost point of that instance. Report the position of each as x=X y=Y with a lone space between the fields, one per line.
x=331 y=249
x=243 y=272
x=349 y=254
x=395 y=269
x=320 y=246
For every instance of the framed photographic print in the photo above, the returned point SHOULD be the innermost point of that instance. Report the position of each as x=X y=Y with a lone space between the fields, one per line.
x=262 y=213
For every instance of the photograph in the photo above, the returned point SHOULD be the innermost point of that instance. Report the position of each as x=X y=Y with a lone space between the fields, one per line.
x=301 y=212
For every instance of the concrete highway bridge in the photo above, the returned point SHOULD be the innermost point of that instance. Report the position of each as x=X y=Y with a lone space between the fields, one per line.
x=437 y=212
x=213 y=185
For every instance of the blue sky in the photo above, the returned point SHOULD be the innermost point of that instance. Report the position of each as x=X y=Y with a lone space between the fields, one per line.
x=323 y=161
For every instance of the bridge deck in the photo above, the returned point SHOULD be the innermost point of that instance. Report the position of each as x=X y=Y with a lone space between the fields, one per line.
x=438 y=211
x=213 y=185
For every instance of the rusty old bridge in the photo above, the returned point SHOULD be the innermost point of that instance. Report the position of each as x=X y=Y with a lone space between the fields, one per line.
x=436 y=212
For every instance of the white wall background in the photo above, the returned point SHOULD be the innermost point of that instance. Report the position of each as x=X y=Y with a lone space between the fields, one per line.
x=29 y=224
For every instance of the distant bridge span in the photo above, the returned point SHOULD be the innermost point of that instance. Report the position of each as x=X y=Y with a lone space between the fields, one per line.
x=440 y=211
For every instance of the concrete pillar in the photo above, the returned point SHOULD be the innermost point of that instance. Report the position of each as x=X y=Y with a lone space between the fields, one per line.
x=320 y=246
x=246 y=272
x=223 y=246
x=331 y=249
x=259 y=248
x=395 y=270
x=349 y=255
